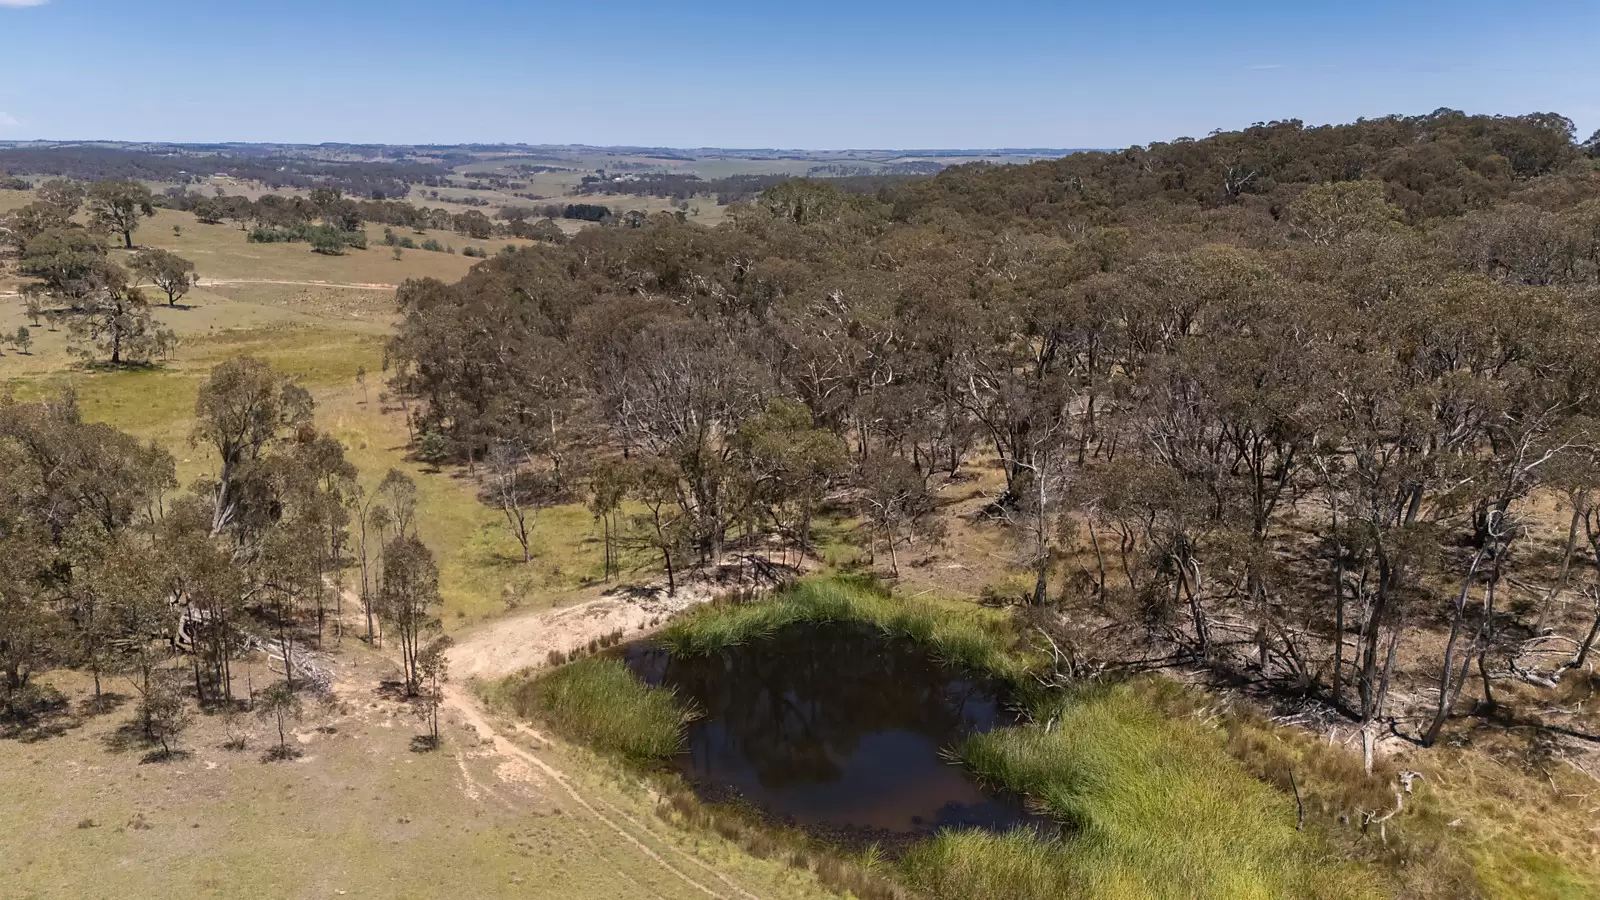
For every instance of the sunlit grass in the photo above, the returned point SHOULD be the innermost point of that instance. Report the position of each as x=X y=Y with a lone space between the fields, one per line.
x=600 y=702
x=959 y=636
x=1154 y=807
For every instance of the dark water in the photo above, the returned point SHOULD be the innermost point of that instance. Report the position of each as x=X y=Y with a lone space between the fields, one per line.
x=837 y=729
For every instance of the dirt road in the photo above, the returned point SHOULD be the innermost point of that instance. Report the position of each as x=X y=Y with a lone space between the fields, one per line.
x=511 y=644
x=515 y=643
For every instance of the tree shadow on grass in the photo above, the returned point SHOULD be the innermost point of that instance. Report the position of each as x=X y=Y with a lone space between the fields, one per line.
x=280 y=753
x=392 y=690
x=164 y=755
x=109 y=702
x=47 y=713
x=103 y=366
x=127 y=737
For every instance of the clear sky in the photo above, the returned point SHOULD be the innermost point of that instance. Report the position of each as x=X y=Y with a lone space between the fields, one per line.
x=820 y=74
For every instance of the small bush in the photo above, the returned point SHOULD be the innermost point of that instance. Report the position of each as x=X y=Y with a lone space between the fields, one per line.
x=433 y=448
x=323 y=239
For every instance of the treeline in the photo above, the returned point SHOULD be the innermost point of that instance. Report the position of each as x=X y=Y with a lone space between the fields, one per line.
x=732 y=189
x=107 y=569
x=277 y=217
x=1434 y=166
x=1275 y=401
x=839 y=170
x=377 y=180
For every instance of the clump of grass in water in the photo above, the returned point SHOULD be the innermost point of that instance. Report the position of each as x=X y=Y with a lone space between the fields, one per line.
x=968 y=641
x=601 y=703
x=1157 y=809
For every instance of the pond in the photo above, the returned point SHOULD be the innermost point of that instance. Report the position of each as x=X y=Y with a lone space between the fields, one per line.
x=838 y=729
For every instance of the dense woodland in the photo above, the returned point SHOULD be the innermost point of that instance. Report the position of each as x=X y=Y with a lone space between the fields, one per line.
x=1273 y=401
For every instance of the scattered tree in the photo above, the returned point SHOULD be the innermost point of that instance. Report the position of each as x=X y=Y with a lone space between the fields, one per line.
x=279 y=706
x=173 y=274
x=408 y=598
x=117 y=206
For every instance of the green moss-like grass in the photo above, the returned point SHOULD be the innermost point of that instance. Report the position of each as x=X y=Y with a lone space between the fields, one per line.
x=1155 y=807
x=598 y=701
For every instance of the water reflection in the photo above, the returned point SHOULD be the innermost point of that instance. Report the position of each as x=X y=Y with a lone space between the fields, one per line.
x=837 y=728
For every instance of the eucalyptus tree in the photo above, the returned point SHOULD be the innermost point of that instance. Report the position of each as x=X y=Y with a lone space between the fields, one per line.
x=117 y=207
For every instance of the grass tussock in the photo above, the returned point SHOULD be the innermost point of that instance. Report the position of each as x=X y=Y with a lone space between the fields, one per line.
x=598 y=701
x=963 y=638
x=1156 y=808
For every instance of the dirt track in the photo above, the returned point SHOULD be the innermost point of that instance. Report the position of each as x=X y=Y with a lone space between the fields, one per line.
x=512 y=644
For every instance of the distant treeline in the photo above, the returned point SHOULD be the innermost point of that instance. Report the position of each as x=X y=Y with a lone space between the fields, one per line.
x=1438 y=165
x=376 y=180
x=733 y=189
x=280 y=218
x=840 y=170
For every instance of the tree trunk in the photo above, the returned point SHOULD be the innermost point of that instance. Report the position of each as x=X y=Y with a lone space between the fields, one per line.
x=1442 y=710
x=1487 y=630
x=1202 y=632
x=1099 y=557
x=1588 y=642
x=1371 y=634
x=1338 y=610
x=1578 y=505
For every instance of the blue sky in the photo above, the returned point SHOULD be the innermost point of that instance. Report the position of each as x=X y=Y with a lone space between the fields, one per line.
x=824 y=74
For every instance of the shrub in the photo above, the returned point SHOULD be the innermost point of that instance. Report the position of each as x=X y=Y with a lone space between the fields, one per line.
x=324 y=239
x=588 y=212
x=433 y=448
x=327 y=242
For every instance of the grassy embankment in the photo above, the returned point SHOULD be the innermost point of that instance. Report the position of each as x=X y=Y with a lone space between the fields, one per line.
x=598 y=701
x=1156 y=805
